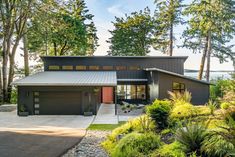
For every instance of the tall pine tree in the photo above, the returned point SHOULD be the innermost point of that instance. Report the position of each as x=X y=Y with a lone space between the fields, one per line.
x=210 y=29
x=131 y=35
x=167 y=15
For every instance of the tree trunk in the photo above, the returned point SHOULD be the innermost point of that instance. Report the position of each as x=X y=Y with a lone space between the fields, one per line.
x=171 y=41
x=1 y=94
x=11 y=69
x=208 y=58
x=26 y=54
x=6 y=50
x=203 y=60
x=55 y=49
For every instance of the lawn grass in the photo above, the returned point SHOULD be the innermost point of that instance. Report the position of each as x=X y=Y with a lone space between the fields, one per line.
x=107 y=127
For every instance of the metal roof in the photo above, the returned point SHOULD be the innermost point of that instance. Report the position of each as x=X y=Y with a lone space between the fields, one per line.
x=163 y=57
x=178 y=75
x=132 y=80
x=70 y=78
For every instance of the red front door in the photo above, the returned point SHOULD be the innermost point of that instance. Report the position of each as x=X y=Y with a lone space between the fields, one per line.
x=107 y=95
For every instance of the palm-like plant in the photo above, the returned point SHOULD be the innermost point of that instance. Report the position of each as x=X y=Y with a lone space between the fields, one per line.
x=192 y=136
x=184 y=97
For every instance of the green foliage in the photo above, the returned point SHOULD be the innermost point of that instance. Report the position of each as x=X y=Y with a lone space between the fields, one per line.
x=192 y=137
x=183 y=110
x=216 y=145
x=136 y=144
x=212 y=106
x=167 y=15
x=177 y=97
x=104 y=126
x=174 y=149
x=160 y=111
x=225 y=105
x=140 y=124
x=210 y=19
x=131 y=35
x=14 y=96
x=62 y=28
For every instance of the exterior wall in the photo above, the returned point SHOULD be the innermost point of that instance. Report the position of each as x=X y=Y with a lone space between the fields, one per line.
x=200 y=92
x=26 y=96
x=173 y=64
x=153 y=85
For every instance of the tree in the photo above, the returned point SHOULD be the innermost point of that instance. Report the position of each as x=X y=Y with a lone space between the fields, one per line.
x=13 y=18
x=65 y=30
x=209 y=30
x=167 y=15
x=132 y=34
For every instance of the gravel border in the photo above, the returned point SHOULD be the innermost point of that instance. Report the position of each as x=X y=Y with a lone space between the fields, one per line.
x=90 y=145
x=7 y=108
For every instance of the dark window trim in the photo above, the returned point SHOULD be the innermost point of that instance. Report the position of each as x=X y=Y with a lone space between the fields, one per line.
x=180 y=90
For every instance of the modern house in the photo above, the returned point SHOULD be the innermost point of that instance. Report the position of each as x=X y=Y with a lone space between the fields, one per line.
x=74 y=85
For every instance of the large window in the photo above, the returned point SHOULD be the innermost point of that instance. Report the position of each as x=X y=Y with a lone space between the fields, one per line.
x=131 y=92
x=178 y=87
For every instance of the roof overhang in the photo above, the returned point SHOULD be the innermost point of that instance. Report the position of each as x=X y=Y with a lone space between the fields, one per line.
x=69 y=78
x=132 y=80
x=178 y=75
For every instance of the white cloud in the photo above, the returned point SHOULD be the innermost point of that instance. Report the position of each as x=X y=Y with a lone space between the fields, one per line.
x=116 y=10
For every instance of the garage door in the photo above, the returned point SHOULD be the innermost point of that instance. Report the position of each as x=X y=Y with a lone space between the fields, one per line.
x=60 y=103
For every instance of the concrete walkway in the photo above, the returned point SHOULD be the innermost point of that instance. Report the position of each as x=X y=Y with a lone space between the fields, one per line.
x=106 y=115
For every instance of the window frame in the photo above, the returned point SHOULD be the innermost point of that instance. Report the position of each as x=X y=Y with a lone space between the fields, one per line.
x=180 y=88
x=80 y=67
x=54 y=67
x=93 y=67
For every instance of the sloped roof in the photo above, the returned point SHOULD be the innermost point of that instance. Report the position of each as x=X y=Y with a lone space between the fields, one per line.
x=178 y=75
x=70 y=78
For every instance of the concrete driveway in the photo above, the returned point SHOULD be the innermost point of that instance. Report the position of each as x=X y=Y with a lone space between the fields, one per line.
x=40 y=136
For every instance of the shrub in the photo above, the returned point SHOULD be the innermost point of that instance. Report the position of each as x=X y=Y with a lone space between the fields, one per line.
x=216 y=145
x=212 y=106
x=180 y=97
x=192 y=137
x=136 y=144
x=140 y=124
x=174 y=149
x=181 y=111
x=225 y=105
x=159 y=111
x=13 y=96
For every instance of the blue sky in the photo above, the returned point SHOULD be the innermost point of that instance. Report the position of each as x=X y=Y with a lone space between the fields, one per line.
x=106 y=10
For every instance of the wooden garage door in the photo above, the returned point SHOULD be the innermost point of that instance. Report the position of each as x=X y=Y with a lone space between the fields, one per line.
x=60 y=103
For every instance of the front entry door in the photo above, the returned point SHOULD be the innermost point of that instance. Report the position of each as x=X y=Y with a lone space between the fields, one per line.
x=107 y=95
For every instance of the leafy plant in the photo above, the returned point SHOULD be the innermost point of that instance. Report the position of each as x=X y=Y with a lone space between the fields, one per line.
x=192 y=137
x=177 y=97
x=174 y=149
x=225 y=105
x=136 y=144
x=140 y=124
x=159 y=111
x=182 y=111
x=212 y=106
x=216 y=145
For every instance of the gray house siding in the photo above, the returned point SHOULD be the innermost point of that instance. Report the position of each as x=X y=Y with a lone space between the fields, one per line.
x=153 y=86
x=87 y=96
x=173 y=64
x=199 y=91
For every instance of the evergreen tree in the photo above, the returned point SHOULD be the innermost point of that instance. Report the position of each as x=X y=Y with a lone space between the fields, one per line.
x=210 y=29
x=132 y=34
x=63 y=28
x=167 y=15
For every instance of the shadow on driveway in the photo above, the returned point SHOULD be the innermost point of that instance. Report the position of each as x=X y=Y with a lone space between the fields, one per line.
x=36 y=143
